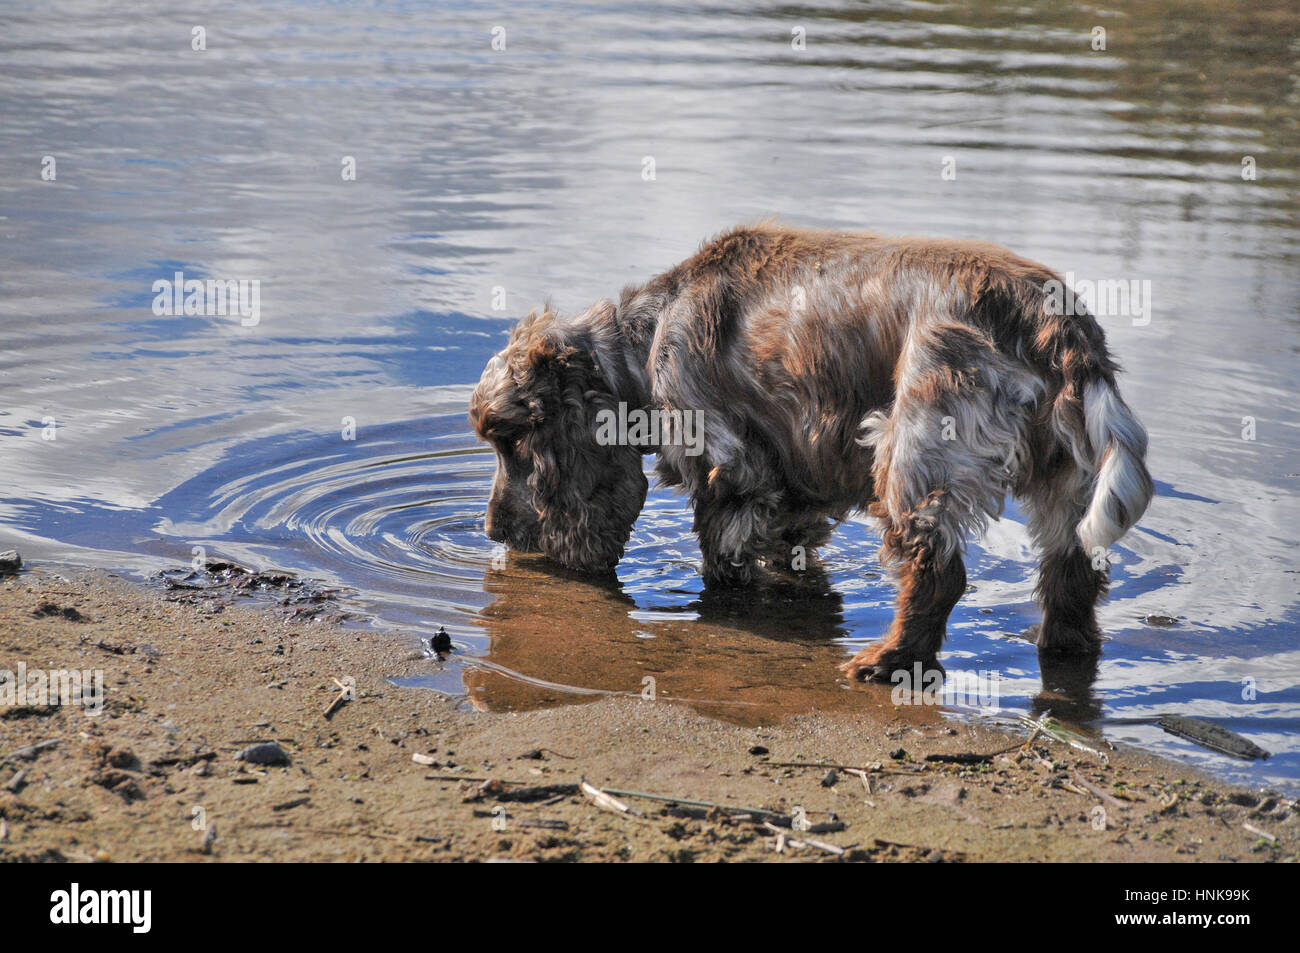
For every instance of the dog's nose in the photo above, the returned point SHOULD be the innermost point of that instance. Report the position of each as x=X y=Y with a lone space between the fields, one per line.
x=493 y=531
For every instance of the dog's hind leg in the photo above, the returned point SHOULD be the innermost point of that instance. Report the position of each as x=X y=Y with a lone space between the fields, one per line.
x=945 y=456
x=1070 y=582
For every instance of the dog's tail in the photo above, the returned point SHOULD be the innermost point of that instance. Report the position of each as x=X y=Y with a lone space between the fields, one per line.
x=1121 y=485
x=1109 y=446
x=1087 y=416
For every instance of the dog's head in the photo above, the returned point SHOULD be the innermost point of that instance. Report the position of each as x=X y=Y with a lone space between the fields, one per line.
x=558 y=490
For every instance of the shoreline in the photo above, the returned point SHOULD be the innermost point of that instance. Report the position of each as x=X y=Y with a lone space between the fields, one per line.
x=399 y=773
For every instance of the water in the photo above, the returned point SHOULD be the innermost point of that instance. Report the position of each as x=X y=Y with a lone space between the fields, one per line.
x=488 y=178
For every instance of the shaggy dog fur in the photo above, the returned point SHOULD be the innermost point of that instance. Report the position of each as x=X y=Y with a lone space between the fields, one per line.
x=922 y=380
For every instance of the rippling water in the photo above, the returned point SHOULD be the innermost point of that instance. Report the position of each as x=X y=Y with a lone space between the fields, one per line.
x=489 y=180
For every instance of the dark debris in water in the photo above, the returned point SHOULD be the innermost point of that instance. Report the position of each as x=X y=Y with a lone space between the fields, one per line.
x=440 y=644
x=217 y=584
x=1212 y=736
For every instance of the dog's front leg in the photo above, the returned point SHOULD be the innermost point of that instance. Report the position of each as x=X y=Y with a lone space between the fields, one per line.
x=733 y=533
x=929 y=585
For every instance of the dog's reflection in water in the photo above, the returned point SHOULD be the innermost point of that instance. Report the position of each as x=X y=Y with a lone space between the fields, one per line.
x=1068 y=688
x=749 y=657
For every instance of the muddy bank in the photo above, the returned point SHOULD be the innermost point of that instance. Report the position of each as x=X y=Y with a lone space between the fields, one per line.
x=213 y=744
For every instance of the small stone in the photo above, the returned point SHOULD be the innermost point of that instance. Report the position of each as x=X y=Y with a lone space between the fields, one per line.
x=1156 y=618
x=10 y=562
x=898 y=754
x=830 y=779
x=266 y=753
x=758 y=749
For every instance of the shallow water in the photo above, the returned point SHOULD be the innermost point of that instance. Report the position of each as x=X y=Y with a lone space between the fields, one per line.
x=484 y=175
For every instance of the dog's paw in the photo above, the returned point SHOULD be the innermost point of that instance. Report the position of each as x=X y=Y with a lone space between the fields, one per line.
x=728 y=574
x=879 y=663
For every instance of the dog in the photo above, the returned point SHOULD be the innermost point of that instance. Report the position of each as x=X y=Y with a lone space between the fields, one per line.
x=921 y=380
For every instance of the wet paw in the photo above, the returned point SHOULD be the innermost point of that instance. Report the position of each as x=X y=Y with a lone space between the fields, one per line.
x=726 y=574
x=879 y=663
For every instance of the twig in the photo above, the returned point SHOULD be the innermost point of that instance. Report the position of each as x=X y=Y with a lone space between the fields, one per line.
x=566 y=757
x=542 y=792
x=30 y=751
x=972 y=757
x=605 y=801
x=1096 y=791
x=964 y=757
x=1260 y=833
x=782 y=841
x=862 y=776
x=1058 y=732
x=288 y=805
x=338 y=702
x=495 y=789
x=733 y=809
x=838 y=767
x=820 y=845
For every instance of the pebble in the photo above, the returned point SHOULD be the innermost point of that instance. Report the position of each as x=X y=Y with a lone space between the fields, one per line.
x=1156 y=618
x=266 y=753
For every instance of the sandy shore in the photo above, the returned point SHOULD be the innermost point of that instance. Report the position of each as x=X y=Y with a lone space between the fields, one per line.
x=156 y=775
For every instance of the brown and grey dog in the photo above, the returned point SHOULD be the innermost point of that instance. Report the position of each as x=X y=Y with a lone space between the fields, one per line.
x=922 y=380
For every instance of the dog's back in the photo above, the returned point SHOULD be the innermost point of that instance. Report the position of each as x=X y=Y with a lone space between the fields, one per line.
x=808 y=338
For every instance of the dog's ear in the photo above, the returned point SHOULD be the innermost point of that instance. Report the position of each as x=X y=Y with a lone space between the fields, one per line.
x=587 y=494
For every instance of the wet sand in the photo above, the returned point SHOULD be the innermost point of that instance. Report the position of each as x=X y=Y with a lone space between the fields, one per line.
x=188 y=687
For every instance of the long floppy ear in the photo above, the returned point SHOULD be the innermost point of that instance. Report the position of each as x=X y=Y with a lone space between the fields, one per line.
x=587 y=494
